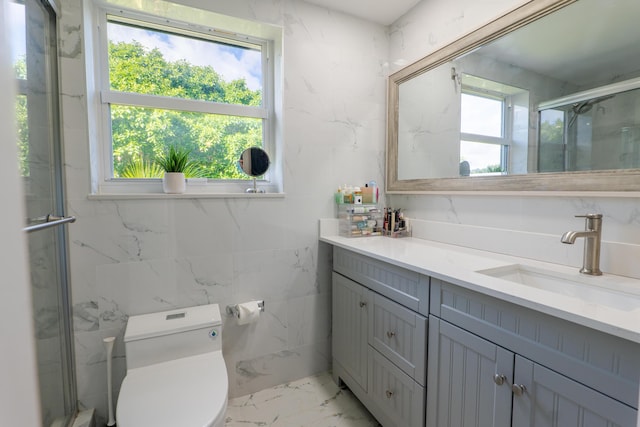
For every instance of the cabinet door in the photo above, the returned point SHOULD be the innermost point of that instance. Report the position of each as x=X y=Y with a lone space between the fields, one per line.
x=550 y=399
x=468 y=379
x=349 y=328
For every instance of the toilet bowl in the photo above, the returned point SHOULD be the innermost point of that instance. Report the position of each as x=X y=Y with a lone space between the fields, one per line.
x=176 y=375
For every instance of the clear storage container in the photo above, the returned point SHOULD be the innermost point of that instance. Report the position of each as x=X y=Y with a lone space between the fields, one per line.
x=360 y=220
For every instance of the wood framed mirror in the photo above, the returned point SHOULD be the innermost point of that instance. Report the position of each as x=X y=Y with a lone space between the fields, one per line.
x=567 y=88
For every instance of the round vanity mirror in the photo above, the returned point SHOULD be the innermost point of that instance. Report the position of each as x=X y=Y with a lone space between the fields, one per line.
x=254 y=161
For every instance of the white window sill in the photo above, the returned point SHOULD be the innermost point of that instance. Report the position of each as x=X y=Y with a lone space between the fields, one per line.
x=148 y=196
x=196 y=189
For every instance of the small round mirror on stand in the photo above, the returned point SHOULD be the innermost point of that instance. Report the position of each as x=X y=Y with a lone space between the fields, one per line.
x=254 y=162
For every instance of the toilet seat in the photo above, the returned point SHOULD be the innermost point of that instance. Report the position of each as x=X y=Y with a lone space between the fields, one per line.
x=191 y=391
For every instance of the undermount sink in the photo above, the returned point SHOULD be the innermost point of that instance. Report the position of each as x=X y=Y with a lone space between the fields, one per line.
x=590 y=289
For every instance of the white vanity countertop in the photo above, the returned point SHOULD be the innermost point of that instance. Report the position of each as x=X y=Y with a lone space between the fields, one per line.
x=459 y=265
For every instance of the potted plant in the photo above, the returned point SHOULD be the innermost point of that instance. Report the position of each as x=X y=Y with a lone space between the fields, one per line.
x=177 y=166
x=139 y=167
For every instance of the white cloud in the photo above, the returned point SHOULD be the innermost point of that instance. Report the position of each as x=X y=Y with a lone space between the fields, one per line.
x=246 y=65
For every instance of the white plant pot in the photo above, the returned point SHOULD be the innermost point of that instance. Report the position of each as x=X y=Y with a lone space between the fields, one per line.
x=174 y=183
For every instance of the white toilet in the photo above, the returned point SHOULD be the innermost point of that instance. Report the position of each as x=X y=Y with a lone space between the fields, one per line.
x=176 y=375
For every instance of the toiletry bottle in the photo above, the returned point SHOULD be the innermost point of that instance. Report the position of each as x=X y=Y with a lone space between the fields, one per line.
x=385 y=225
x=348 y=195
x=392 y=227
x=357 y=196
x=339 y=196
x=374 y=191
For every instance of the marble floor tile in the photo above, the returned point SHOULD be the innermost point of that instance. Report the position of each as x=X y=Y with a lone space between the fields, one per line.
x=309 y=402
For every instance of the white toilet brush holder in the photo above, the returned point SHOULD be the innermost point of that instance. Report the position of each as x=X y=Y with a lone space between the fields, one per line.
x=108 y=344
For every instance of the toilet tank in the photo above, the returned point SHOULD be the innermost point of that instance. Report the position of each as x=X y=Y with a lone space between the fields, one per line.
x=168 y=335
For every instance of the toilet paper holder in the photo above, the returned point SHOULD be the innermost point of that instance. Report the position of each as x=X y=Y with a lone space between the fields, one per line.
x=232 y=310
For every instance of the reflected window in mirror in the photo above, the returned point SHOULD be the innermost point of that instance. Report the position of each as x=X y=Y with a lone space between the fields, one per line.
x=492 y=116
x=483 y=145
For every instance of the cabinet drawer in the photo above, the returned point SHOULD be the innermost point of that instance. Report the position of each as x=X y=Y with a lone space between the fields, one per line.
x=400 y=335
x=398 y=400
x=601 y=361
x=403 y=286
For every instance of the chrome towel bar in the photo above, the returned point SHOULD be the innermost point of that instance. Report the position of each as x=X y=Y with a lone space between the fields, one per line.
x=48 y=221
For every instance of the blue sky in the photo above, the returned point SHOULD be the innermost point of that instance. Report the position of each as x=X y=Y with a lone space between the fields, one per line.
x=232 y=63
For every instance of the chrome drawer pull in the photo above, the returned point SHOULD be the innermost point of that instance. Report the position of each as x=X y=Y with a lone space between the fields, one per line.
x=390 y=334
x=499 y=379
x=362 y=304
x=389 y=393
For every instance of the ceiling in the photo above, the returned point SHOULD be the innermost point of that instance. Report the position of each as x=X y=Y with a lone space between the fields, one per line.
x=382 y=12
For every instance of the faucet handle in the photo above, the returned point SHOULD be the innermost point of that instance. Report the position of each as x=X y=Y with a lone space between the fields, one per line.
x=592 y=221
x=590 y=216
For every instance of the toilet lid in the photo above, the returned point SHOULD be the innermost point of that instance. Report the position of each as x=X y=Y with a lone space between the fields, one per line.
x=191 y=391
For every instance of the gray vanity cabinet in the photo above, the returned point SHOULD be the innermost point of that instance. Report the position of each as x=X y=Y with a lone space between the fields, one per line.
x=503 y=365
x=379 y=338
x=490 y=363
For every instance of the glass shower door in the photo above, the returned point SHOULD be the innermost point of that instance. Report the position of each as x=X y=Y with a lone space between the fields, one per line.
x=34 y=56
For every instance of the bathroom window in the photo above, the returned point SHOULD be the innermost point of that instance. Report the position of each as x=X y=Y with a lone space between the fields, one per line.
x=494 y=123
x=483 y=148
x=166 y=83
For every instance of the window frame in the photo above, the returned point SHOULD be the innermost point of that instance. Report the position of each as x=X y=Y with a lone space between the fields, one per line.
x=105 y=96
x=504 y=141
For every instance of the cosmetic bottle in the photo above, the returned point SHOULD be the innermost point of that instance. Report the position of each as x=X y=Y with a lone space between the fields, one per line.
x=357 y=196
x=374 y=191
x=348 y=194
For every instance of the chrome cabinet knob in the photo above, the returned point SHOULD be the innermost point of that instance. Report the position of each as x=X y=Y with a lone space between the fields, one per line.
x=499 y=379
x=363 y=304
x=390 y=334
x=389 y=394
x=518 y=389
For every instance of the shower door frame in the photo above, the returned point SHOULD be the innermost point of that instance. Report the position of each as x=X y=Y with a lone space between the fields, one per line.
x=66 y=348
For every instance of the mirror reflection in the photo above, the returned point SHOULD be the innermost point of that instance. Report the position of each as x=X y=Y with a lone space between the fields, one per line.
x=254 y=161
x=560 y=94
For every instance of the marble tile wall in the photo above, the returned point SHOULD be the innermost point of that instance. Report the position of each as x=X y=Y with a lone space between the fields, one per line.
x=525 y=226
x=136 y=256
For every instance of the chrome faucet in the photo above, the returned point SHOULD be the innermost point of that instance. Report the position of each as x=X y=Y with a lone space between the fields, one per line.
x=592 y=237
